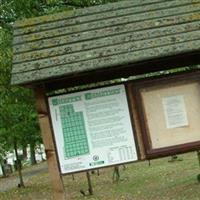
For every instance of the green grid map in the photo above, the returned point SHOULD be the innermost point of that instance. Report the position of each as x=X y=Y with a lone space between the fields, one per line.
x=74 y=132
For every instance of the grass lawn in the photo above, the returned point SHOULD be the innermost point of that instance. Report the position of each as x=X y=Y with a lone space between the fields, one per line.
x=162 y=180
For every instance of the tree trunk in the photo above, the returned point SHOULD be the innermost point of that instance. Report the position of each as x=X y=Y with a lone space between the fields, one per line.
x=3 y=170
x=32 y=151
x=24 y=149
x=19 y=167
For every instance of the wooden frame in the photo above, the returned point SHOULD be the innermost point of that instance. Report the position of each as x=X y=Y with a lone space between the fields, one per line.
x=153 y=84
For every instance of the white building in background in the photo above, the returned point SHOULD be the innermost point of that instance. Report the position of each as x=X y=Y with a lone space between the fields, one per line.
x=39 y=155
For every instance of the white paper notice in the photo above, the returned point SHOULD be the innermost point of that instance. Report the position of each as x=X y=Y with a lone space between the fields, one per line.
x=175 y=112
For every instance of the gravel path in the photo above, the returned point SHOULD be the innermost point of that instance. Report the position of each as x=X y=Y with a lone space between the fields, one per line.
x=12 y=181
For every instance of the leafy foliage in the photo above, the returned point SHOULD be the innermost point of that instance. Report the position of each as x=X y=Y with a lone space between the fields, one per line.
x=18 y=118
x=11 y=10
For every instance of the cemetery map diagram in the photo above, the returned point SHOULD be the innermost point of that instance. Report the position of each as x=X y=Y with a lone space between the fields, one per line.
x=74 y=131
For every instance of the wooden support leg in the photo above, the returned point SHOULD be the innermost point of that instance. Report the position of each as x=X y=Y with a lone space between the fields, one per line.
x=90 y=189
x=124 y=167
x=198 y=155
x=116 y=174
x=149 y=161
x=47 y=136
x=73 y=177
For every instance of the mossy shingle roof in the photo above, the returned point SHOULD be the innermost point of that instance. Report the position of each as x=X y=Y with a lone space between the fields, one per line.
x=102 y=37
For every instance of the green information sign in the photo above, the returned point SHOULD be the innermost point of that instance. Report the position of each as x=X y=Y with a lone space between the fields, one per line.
x=92 y=129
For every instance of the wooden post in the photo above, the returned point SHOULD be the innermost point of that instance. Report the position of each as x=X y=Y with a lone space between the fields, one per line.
x=47 y=136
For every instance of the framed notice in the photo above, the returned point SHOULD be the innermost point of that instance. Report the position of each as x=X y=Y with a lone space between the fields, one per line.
x=92 y=129
x=169 y=112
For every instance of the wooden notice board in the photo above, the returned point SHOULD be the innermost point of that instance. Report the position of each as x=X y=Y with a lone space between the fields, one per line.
x=169 y=110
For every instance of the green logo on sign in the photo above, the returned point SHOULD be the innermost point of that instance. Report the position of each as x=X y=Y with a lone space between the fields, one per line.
x=97 y=163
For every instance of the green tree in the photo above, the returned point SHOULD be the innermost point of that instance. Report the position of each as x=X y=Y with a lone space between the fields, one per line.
x=16 y=109
x=18 y=118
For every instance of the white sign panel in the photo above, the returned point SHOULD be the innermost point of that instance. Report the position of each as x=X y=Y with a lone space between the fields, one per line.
x=175 y=112
x=92 y=129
